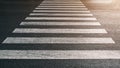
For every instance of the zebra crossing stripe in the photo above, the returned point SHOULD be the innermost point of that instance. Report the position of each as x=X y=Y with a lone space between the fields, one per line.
x=57 y=40
x=64 y=0
x=62 y=6
x=60 y=18
x=61 y=11
x=53 y=2
x=62 y=23
x=35 y=30
x=58 y=14
x=59 y=54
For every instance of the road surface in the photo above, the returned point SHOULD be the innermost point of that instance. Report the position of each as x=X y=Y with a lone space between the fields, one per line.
x=60 y=34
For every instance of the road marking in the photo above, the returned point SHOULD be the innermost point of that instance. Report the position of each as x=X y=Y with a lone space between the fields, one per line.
x=59 y=14
x=65 y=8
x=61 y=11
x=57 y=40
x=62 y=23
x=53 y=2
x=77 y=2
x=35 y=30
x=59 y=54
x=60 y=18
x=62 y=6
x=64 y=0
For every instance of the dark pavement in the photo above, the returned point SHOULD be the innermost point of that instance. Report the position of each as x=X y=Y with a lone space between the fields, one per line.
x=12 y=13
x=15 y=12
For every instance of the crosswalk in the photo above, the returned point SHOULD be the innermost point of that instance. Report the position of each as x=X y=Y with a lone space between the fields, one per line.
x=60 y=54
x=59 y=14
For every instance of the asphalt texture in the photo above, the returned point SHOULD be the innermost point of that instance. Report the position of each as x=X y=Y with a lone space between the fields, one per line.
x=13 y=12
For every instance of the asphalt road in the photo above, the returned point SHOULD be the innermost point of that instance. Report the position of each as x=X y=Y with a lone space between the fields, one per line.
x=12 y=13
x=15 y=12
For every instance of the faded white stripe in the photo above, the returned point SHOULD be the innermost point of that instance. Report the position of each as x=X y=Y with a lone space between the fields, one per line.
x=35 y=30
x=58 y=14
x=52 y=2
x=62 y=6
x=62 y=23
x=61 y=11
x=57 y=40
x=60 y=18
x=65 y=8
x=59 y=54
x=63 y=0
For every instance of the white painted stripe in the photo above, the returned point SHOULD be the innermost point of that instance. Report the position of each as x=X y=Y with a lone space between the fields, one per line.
x=61 y=23
x=64 y=0
x=61 y=3
x=65 y=8
x=59 y=54
x=60 y=14
x=35 y=30
x=57 y=40
x=60 y=18
x=51 y=2
x=62 y=6
x=61 y=11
